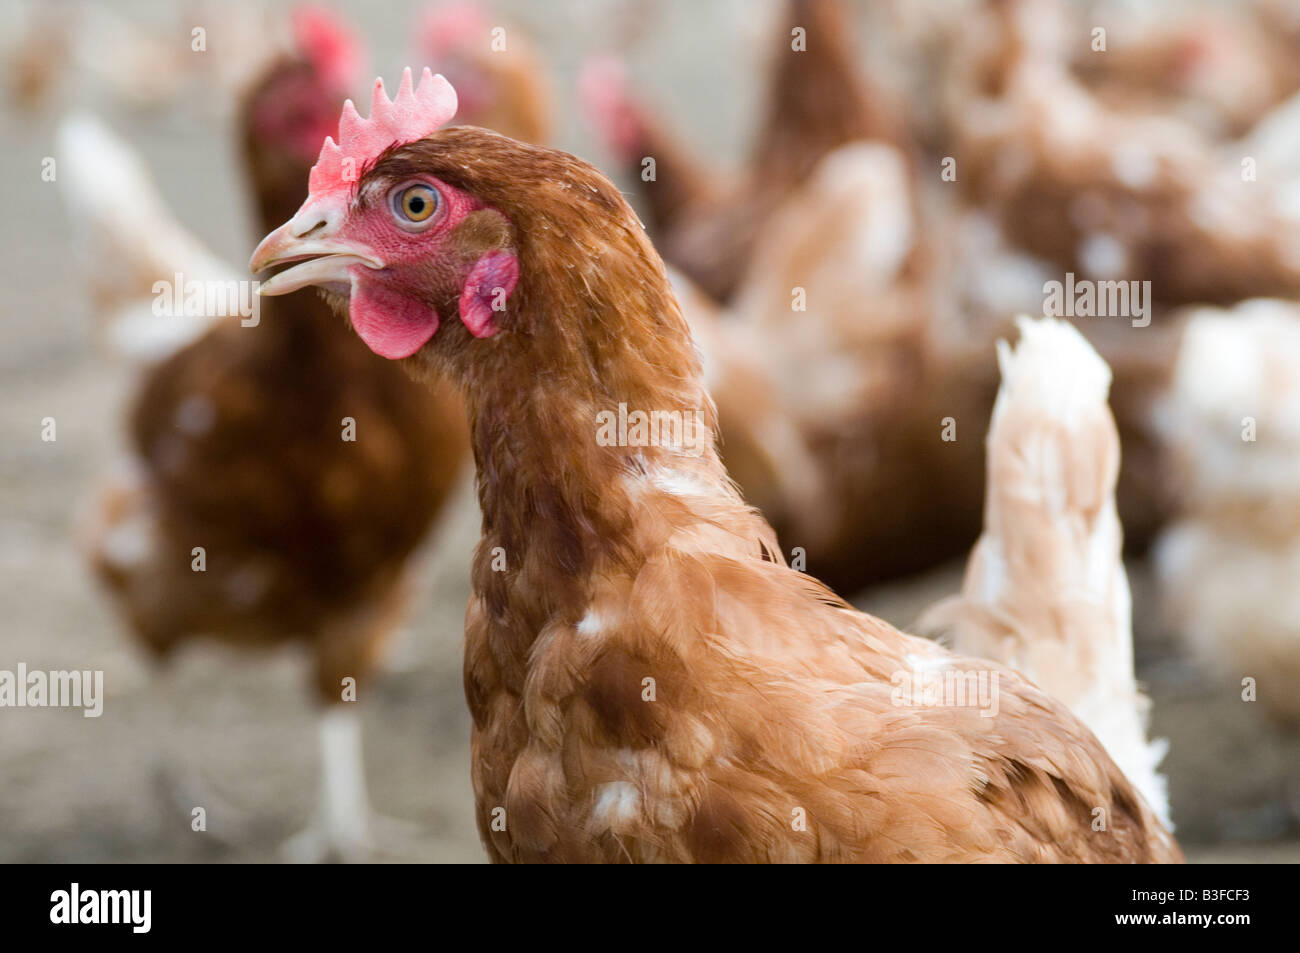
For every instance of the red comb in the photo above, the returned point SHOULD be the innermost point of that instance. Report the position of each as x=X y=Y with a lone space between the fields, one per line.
x=413 y=115
x=326 y=41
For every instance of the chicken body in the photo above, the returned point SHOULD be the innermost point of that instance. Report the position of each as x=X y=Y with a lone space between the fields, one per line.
x=835 y=317
x=1226 y=565
x=296 y=545
x=1211 y=65
x=648 y=679
x=1099 y=192
x=280 y=449
x=281 y=476
x=687 y=696
x=707 y=225
x=873 y=321
x=710 y=704
x=1045 y=589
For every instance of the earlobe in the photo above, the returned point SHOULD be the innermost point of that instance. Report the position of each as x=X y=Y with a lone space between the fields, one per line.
x=486 y=290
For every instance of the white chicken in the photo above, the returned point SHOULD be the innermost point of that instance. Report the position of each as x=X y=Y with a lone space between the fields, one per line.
x=1228 y=567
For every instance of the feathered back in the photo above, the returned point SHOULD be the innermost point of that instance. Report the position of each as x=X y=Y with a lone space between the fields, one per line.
x=1045 y=590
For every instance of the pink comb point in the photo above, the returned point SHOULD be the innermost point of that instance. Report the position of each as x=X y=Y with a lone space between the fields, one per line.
x=412 y=115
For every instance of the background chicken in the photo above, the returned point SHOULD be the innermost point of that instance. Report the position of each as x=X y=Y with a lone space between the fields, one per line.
x=1225 y=566
x=837 y=299
x=1045 y=591
x=1105 y=194
x=128 y=238
x=501 y=81
x=831 y=313
x=1221 y=69
x=887 y=357
x=306 y=471
x=1234 y=420
x=817 y=101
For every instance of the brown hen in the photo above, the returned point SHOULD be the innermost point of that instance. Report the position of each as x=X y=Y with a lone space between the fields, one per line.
x=648 y=679
x=817 y=101
x=306 y=469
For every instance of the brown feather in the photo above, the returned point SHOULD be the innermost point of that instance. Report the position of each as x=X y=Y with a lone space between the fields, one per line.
x=239 y=443
x=767 y=726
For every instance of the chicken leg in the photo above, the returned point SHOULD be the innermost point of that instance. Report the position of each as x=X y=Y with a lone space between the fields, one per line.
x=342 y=828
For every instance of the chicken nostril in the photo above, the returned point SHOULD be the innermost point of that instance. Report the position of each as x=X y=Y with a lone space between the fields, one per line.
x=315 y=228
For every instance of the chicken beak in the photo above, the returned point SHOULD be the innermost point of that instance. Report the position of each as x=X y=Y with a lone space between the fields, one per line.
x=311 y=238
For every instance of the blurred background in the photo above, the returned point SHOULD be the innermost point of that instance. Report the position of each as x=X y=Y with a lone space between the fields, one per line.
x=1187 y=85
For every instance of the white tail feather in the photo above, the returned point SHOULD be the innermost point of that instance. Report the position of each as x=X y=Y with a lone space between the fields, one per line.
x=1045 y=589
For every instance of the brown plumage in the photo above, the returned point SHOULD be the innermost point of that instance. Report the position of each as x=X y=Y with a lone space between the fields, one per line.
x=1221 y=68
x=860 y=379
x=827 y=410
x=1096 y=191
x=818 y=98
x=502 y=88
x=306 y=535
x=306 y=468
x=648 y=680
x=867 y=375
x=239 y=445
x=817 y=101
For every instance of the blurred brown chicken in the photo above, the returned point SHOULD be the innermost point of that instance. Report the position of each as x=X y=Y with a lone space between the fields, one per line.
x=1219 y=68
x=498 y=76
x=835 y=309
x=705 y=225
x=832 y=380
x=886 y=369
x=282 y=476
x=1099 y=192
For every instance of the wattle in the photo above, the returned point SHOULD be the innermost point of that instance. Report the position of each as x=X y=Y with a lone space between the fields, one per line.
x=392 y=325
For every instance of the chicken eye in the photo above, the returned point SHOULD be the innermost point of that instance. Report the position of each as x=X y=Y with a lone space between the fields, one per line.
x=415 y=204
